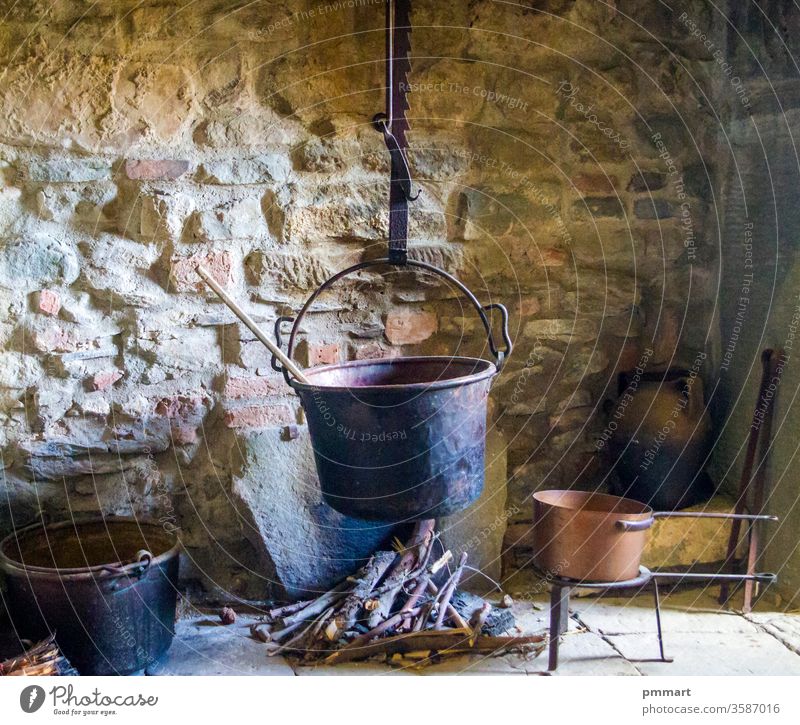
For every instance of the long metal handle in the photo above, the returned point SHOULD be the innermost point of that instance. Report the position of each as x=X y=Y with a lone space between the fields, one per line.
x=254 y=328
x=393 y=124
x=762 y=577
x=712 y=515
x=647 y=523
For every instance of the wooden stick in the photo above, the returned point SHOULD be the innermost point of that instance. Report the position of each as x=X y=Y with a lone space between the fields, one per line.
x=287 y=609
x=422 y=618
x=364 y=639
x=441 y=561
x=456 y=618
x=309 y=639
x=261 y=631
x=443 y=641
x=280 y=634
x=298 y=638
x=479 y=618
x=419 y=590
x=416 y=551
x=254 y=328
x=320 y=604
x=369 y=577
x=447 y=591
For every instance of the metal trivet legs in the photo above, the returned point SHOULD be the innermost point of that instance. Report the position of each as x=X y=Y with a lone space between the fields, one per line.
x=562 y=587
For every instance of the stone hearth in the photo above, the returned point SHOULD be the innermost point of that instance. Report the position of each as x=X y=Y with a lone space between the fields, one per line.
x=572 y=157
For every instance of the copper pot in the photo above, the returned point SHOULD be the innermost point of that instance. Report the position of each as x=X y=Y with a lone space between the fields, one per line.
x=596 y=537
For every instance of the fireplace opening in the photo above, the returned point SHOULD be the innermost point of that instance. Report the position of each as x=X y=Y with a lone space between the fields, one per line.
x=337 y=296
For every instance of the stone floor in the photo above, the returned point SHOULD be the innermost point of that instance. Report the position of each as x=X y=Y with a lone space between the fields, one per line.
x=608 y=636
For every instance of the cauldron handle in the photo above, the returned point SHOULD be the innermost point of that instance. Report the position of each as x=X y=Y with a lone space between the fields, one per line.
x=137 y=566
x=498 y=354
x=132 y=572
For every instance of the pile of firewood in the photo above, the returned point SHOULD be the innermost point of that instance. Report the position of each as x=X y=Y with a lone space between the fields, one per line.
x=399 y=603
x=39 y=660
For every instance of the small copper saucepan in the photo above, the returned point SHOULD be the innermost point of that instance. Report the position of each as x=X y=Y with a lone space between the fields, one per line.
x=596 y=537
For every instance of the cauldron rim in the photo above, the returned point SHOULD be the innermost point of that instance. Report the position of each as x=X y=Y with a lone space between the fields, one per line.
x=87 y=572
x=576 y=501
x=486 y=369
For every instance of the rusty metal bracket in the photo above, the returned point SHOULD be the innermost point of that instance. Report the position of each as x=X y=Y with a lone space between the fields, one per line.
x=393 y=125
x=397 y=156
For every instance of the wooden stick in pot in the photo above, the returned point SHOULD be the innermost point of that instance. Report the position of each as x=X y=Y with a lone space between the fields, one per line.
x=244 y=317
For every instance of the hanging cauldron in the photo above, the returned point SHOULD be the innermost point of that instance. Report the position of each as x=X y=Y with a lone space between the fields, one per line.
x=399 y=439
x=402 y=439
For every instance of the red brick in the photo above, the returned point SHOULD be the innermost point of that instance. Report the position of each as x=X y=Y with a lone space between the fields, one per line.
x=48 y=302
x=323 y=354
x=56 y=339
x=105 y=379
x=406 y=326
x=184 y=271
x=253 y=387
x=179 y=406
x=552 y=257
x=374 y=351
x=184 y=413
x=592 y=183
x=529 y=306
x=259 y=416
x=150 y=169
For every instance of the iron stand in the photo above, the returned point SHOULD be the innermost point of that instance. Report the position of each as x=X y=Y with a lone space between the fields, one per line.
x=561 y=588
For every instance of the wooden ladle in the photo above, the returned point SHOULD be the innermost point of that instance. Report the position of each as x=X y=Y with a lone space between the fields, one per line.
x=254 y=328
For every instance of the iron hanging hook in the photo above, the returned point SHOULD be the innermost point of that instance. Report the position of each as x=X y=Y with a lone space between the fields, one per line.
x=381 y=123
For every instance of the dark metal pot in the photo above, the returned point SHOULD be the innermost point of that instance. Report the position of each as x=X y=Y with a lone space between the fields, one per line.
x=595 y=537
x=97 y=586
x=399 y=439
x=661 y=439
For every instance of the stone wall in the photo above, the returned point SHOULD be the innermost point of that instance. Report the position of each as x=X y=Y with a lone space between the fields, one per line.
x=564 y=149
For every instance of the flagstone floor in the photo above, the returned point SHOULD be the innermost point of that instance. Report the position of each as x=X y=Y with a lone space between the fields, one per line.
x=607 y=636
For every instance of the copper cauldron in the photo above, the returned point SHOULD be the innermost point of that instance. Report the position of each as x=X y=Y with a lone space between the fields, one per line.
x=595 y=537
x=399 y=439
